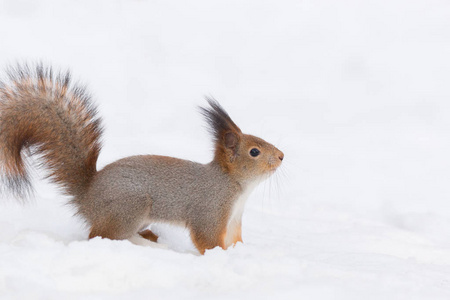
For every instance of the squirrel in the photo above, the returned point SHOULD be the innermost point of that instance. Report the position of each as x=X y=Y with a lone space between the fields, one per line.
x=44 y=113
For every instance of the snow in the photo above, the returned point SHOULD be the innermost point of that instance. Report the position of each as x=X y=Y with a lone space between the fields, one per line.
x=355 y=93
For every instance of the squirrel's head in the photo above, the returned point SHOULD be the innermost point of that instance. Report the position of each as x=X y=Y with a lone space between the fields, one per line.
x=244 y=157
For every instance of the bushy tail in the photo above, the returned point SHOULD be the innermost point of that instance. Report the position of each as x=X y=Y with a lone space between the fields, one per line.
x=44 y=113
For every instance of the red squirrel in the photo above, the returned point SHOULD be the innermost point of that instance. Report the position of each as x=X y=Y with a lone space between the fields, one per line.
x=46 y=113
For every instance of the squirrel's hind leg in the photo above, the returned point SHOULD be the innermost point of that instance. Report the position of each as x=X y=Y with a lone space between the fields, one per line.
x=137 y=239
x=149 y=235
x=114 y=221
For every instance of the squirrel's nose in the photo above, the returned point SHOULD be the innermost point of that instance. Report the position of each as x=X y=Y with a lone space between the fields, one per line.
x=281 y=156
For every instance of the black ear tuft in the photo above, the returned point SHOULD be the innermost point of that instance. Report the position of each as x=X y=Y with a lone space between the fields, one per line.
x=220 y=122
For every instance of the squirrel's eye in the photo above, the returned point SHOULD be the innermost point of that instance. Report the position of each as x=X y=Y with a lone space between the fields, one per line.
x=254 y=152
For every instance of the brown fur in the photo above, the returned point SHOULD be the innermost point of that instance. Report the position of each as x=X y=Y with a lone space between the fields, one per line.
x=149 y=235
x=205 y=240
x=33 y=112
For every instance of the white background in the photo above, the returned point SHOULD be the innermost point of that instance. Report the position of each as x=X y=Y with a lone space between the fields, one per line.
x=356 y=94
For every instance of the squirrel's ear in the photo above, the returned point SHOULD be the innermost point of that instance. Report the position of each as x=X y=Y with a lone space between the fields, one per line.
x=226 y=134
x=230 y=143
x=231 y=140
x=221 y=126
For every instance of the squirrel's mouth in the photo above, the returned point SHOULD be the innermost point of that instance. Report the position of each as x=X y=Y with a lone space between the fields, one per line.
x=274 y=167
x=272 y=170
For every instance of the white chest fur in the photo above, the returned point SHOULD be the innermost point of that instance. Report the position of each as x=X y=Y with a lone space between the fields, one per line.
x=235 y=218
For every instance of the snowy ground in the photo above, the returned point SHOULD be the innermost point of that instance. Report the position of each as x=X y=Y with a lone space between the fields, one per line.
x=356 y=94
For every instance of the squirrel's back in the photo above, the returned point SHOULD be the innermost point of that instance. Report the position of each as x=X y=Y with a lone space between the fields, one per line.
x=44 y=113
x=175 y=189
